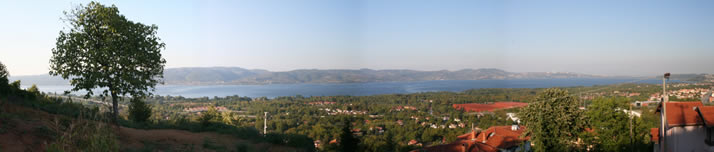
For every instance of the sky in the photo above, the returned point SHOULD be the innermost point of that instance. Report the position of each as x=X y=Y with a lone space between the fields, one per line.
x=636 y=38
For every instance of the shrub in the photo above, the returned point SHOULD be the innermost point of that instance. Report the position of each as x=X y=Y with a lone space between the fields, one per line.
x=83 y=135
x=139 y=111
x=207 y=117
x=34 y=89
x=16 y=85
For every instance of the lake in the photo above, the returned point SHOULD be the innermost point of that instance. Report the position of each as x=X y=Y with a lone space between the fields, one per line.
x=361 y=89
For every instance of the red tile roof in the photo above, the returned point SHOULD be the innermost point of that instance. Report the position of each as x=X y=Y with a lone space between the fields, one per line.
x=655 y=134
x=708 y=113
x=495 y=137
x=683 y=113
x=478 y=107
x=460 y=146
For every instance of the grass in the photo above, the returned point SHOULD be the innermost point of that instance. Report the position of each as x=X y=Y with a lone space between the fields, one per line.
x=210 y=144
x=85 y=128
x=44 y=131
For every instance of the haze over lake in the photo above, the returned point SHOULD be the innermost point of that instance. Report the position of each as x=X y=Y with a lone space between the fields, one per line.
x=362 y=89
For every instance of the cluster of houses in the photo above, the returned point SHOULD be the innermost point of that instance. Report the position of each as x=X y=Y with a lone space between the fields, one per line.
x=402 y=108
x=321 y=103
x=695 y=93
x=204 y=108
x=343 y=112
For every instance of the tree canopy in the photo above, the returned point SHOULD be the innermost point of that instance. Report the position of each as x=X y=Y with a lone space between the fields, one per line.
x=554 y=121
x=3 y=78
x=103 y=49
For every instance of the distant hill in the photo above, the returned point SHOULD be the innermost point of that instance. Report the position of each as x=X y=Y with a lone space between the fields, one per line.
x=702 y=77
x=235 y=75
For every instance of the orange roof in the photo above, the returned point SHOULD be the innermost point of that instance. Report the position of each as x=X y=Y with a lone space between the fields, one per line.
x=497 y=136
x=478 y=107
x=655 y=134
x=460 y=146
x=708 y=113
x=683 y=113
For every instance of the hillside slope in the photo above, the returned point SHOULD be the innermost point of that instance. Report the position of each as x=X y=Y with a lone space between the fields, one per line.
x=27 y=129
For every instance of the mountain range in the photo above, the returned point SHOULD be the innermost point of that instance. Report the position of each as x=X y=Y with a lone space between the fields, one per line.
x=236 y=76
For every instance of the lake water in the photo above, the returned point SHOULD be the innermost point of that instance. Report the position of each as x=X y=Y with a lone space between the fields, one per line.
x=361 y=89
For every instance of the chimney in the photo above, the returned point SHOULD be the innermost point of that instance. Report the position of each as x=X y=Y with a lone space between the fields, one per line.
x=483 y=136
x=514 y=127
x=473 y=135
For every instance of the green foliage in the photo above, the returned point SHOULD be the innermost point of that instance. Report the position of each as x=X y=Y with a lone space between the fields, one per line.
x=207 y=117
x=83 y=135
x=15 y=85
x=4 y=74
x=293 y=140
x=347 y=142
x=34 y=89
x=210 y=144
x=554 y=121
x=609 y=123
x=139 y=111
x=231 y=118
x=611 y=127
x=103 y=49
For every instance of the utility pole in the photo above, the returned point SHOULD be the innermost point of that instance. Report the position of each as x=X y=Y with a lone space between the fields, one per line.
x=632 y=146
x=265 y=124
x=665 y=99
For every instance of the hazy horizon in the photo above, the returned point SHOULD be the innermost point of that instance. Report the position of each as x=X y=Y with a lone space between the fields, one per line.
x=634 y=38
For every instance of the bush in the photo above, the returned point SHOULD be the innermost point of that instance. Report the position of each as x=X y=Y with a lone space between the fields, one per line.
x=139 y=111
x=34 y=89
x=208 y=116
x=83 y=135
x=16 y=85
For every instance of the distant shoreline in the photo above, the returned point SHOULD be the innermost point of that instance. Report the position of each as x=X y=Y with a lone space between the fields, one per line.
x=362 y=89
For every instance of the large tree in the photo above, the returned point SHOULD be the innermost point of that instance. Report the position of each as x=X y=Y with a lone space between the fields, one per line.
x=103 y=49
x=3 y=79
x=554 y=121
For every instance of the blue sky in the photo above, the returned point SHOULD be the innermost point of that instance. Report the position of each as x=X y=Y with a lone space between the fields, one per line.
x=594 y=37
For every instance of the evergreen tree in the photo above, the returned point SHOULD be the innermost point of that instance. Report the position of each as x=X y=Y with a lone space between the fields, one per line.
x=348 y=143
x=139 y=111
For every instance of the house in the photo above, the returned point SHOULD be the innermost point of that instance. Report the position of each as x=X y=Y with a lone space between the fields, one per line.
x=644 y=103
x=495 y=138
x=413 y=142
x=688 y=127
x=357 y=132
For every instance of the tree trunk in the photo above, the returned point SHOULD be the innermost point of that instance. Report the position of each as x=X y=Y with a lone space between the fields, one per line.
x=115 y=108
